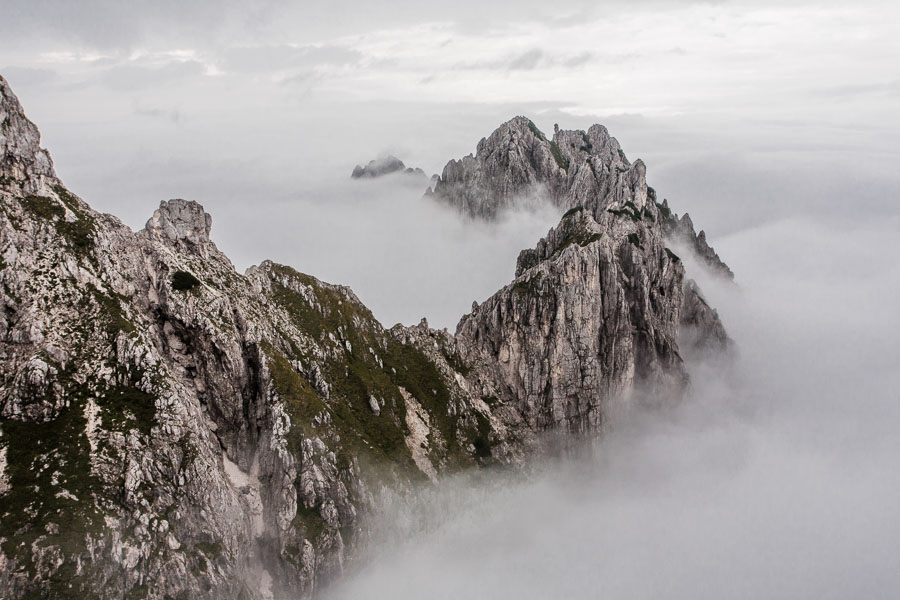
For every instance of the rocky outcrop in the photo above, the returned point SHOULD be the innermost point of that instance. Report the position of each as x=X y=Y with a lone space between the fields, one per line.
x=518 y=164
x=23 y=164
x=384 y=166
x=592 y=316
x=682 y=231
x=181 y=225
x=627 y=264
x=172 y=428
x=198 y=429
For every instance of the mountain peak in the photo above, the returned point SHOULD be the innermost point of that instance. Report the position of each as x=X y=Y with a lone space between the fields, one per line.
x=518 y=162
x=181 y=223
x=23 y=164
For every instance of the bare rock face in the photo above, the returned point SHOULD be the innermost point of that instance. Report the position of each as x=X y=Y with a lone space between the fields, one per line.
x=592 y=316
x=682 y=230
x=180 y=222
x=172 y=428
x=701 y=333
x=517 y=163
x=171 y=425
x=24 y=166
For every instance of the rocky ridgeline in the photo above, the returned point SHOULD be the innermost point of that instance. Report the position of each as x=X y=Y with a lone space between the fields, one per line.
x=171 y=428
x=518 y=165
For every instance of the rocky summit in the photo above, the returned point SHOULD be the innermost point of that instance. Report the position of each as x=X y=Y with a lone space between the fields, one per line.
x=518 y=165
x=171 y=428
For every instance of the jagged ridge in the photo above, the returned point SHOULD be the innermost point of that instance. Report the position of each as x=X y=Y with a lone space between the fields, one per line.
x=517 y=164
x=169 y=426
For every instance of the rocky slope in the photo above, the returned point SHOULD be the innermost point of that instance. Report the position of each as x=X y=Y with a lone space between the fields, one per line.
x=615 y=237
x=170 y=428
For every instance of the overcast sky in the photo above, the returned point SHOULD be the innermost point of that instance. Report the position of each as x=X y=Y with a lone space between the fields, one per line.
x=744 y=112
x=735 y=106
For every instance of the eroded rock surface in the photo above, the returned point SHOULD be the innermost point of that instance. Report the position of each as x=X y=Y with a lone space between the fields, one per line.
x=517 y=165
x=23 y=164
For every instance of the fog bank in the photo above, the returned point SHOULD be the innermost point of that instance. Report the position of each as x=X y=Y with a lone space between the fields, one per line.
x=404 y=255
x=777 y=478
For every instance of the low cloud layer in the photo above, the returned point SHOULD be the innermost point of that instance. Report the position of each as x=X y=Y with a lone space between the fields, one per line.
x=406 y=256
x=776 y=478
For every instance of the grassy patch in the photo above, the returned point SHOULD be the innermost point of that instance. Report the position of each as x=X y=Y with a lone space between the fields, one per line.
x=51 y=487
x=573 y=211
x=630 y=210
x=42 y=207
x=125 y=407
x=529 y=287
x=111 y=312
x=355 y=374
x=561 y=160
x=79 y=234
x=577 y=235
x=537 y=132
x=300 y=399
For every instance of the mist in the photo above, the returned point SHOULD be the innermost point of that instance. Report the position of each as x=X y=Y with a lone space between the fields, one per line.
x=776 y=478
x=406 y=256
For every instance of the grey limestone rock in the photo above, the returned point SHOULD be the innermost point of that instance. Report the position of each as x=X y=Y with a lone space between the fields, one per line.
x=24 y=166
x=517 y=164
x=171 y=427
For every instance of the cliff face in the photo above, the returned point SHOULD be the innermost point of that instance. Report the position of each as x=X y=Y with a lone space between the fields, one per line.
x=592 y=316
x=597 y=307
x=23 y=164
x=172 y=428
